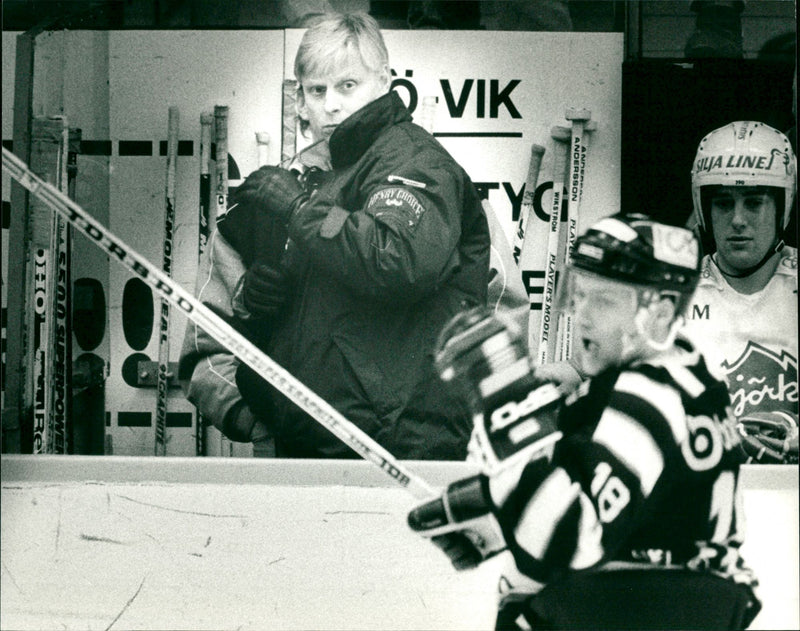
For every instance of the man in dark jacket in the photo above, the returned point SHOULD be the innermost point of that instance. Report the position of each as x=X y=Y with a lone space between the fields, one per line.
x=384 y=248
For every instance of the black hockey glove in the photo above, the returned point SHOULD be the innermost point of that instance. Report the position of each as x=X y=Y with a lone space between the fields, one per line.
x=770 y=437
x=264 y=290
x=281 y=192
x=248 y=225
x=460 y=523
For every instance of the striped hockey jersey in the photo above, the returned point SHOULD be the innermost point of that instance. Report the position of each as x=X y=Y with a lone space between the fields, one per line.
x=646 y=473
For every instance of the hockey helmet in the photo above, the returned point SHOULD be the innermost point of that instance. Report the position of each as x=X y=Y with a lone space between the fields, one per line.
x=636 y=250
x=744 y=153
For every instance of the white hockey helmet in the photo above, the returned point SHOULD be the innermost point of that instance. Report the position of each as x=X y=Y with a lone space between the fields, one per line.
x=744 y=153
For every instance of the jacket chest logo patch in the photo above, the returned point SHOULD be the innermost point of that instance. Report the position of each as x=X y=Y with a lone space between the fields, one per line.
x=397 y=202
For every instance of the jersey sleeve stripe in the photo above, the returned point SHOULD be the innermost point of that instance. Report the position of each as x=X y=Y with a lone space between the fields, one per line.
x=590 y=534
x=543 y=513
x=685 y=379
x=660 y=396
x=632 y=445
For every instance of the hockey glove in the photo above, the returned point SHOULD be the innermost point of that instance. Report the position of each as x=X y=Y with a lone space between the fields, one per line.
x=262 y=291
x=254 y=232
x=461 y=523
x=281 y=192
x=515 y=419
x=770 y=437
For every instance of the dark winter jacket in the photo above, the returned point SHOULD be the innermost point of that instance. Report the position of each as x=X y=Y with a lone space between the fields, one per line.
x=390 y=247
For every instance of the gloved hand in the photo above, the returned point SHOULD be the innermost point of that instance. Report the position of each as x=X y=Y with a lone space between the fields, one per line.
x=238 y=423
x=460 y=523
x=280 y=191
x=241 y=425
x=263 y=290
x=564 y=374
x=770 y=437
x=515 y=418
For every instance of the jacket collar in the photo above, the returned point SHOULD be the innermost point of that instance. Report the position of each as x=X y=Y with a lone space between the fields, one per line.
x=351 y=139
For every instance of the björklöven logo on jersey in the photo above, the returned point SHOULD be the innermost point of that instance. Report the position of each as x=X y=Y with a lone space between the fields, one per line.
x=762 y=380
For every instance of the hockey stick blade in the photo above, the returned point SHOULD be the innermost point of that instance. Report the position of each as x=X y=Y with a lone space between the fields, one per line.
x=202 y=316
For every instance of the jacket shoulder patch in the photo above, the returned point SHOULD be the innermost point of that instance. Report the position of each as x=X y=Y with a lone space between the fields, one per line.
x=396 y=202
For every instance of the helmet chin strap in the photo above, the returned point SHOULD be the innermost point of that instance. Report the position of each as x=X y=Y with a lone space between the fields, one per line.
x=753 y=269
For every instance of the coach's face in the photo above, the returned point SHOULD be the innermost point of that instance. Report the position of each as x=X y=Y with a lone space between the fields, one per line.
x=327 y=100
x=743 y=223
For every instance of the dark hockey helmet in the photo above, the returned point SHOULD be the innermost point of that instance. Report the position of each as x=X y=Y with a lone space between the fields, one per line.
x=636 y=250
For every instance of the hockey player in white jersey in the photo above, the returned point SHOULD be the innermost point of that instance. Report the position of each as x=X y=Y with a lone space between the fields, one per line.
x=744 y=312
x=619 y=503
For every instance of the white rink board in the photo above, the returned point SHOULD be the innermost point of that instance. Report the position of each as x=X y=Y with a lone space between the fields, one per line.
x=257 y=544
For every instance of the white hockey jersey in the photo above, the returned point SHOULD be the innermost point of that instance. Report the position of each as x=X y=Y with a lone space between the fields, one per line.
x=753 y=338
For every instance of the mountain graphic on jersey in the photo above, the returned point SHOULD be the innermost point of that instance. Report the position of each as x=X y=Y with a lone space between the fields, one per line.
x=762 y=380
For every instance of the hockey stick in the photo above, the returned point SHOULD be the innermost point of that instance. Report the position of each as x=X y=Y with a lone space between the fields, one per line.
x=202 y=316
x=203 y=233
x=44 y=233
x=559 y=135
x=289 y=118
x=162 y=383
x=58 y=317
x=61 y=366
x=581 y=122
x=427 y=113
x=221 y=160
x=204 y=214
x=262 y=140
x=537 y=153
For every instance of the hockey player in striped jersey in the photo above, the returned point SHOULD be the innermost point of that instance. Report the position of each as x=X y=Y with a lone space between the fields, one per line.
x=619 y=503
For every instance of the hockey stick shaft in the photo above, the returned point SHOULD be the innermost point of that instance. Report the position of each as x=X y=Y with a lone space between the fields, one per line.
x=221 y=160
x=225 y=334
x=162 y=382
x=289 y=120
x=262 y=140
x=57 y=320
x=204 y=213
x=427 y=114
x=203 y=232
x=577 y=162
x=547 y=324
x=537 y=153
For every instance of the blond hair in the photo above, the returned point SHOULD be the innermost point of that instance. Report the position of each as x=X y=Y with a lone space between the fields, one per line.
x=332 y=39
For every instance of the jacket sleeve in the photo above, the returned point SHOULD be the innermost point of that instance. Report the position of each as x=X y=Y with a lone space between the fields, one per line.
x=207 y=370
x=401 y=242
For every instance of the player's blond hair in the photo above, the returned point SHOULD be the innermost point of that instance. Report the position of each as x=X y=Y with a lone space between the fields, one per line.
x=333 y=38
